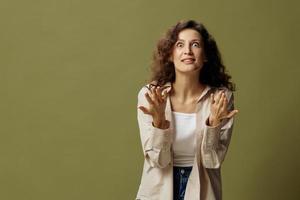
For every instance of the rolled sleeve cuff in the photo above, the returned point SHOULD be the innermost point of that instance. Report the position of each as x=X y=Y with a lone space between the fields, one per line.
x=212 y=135
x=160 y=138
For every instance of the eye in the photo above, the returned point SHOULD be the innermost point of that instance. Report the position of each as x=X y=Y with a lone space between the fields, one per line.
x=196 y=44
x=179 y=44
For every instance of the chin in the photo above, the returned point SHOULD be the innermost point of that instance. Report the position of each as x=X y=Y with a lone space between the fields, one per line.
x=188 y=69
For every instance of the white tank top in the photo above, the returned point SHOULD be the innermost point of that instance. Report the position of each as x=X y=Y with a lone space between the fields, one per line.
x=184 y=145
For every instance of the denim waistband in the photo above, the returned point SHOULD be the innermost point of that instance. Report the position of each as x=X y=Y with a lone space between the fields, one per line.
x=182 y=170
x=187 y=168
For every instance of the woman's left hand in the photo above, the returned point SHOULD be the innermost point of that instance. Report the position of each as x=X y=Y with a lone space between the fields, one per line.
x=218 y=108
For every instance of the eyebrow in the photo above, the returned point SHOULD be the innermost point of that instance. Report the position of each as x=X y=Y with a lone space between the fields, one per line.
x=191 y=40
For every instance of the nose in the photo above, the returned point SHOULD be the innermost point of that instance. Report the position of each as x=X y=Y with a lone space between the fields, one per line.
x=187 y=49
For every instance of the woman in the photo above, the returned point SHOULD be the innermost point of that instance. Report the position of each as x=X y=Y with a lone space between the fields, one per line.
x=185 y=117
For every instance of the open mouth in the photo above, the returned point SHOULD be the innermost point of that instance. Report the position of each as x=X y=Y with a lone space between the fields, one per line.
x=188 y=60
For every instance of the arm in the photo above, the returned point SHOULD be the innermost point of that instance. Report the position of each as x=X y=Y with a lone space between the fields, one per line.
x=156 y=142
x=216 y=139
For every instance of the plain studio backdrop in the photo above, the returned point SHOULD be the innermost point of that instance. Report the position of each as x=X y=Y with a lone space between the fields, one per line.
x=70 y=71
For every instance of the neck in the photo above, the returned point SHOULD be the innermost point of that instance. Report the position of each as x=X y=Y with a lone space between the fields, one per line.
x=186 y=88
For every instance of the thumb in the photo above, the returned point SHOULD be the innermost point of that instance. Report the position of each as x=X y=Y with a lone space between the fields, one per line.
x=232 y=113
x=169 y=89
x=145 y=110
x=166 y=92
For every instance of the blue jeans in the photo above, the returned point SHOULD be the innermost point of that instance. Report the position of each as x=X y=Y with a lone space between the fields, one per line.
x=181 y=176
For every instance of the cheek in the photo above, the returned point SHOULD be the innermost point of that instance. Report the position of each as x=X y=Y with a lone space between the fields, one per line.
x=201 y=55
x=176 y=56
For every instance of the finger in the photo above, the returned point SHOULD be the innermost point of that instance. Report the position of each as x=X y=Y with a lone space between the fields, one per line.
x=232 y=113
x=151 y=86
x=149 y=99
x=145 y=110
x=223 y=105
x=212 y=98
x=163 y=95
x=218 y=96
x=151 y=95
x=166 y=92
x=221 y=100
x=225 y=101
x=154 y=95
x=158 y=93
x=215 y=95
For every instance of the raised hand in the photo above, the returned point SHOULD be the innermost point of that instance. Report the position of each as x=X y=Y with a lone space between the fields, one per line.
x=218 y=108
x=157 y=99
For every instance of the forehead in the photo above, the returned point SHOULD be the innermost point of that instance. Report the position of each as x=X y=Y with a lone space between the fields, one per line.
x=189 y=34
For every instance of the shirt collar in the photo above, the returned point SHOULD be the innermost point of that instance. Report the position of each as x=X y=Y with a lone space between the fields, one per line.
x=205 y=91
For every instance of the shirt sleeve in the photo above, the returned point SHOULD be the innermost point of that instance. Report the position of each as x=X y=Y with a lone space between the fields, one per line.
x=216 y=139
x=156 y=142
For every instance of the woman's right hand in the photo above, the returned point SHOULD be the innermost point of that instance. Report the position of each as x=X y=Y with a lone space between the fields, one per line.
x=157 y=98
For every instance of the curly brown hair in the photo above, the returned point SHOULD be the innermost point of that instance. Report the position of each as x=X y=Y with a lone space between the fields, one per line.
x=213 y=72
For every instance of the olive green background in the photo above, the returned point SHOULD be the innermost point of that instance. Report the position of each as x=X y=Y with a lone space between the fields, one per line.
x=70 y=72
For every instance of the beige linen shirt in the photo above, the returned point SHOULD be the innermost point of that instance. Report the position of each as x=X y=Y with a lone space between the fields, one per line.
x=204 y=182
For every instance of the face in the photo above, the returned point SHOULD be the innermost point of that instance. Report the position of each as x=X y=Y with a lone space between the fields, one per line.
x=188 y=52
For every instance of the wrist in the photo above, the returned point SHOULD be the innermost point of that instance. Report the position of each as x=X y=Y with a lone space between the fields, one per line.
x=161 y=123
x=212 y=121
